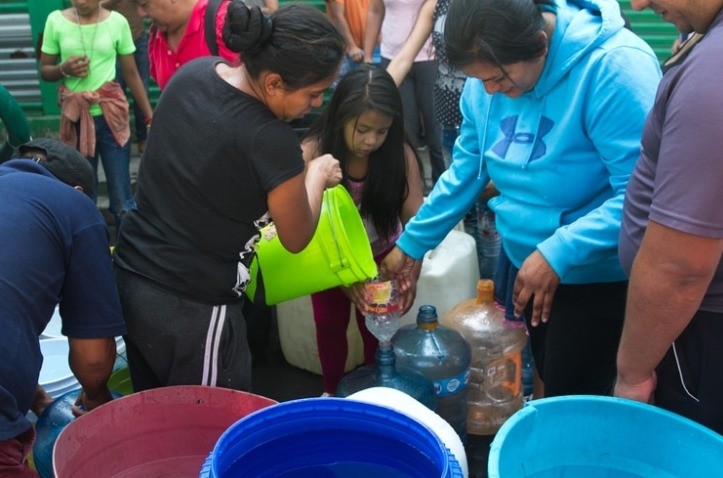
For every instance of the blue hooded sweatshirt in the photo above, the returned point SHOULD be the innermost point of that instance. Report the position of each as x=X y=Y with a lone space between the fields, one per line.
x=561 y=154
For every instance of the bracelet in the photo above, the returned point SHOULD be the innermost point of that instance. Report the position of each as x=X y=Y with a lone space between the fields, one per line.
x=147 y=122
x=60 y=67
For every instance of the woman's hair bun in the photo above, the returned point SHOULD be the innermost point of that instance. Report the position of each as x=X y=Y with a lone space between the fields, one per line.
x=246 y=29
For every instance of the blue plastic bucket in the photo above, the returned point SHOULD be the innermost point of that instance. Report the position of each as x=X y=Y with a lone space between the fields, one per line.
x=595 y=437
x=339 y=253
x=325 y=437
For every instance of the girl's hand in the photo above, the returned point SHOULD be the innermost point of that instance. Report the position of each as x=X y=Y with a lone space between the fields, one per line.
x=328 y=167
x=355 y=53
x=77 y=66
x=355 y=293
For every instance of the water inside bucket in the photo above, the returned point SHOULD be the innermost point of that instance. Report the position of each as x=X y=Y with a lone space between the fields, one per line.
x=162 y=467
x=329 y=437
x=346 y=470
x=172 y=429
x=602 y=437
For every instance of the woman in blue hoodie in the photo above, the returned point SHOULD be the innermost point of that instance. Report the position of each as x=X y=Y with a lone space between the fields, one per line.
x=553 y=110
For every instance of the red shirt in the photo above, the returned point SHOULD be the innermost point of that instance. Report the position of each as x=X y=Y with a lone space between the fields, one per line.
x=164 y=62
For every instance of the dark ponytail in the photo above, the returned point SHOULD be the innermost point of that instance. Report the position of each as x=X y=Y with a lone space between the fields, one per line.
x=246 y=29
x=297 y=41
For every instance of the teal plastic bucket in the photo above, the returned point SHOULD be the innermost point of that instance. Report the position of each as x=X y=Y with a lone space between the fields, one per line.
x=595 y=437
x=339 y=254
x=329 y=437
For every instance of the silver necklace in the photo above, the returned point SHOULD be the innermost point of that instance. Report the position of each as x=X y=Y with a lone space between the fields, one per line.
x=80 y=33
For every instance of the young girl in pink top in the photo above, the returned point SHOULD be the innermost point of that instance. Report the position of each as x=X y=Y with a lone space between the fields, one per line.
x=363 y=128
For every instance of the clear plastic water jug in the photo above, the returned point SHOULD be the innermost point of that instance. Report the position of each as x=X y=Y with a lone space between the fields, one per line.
x=495 y=386
x=443 y=356
x=385 y=373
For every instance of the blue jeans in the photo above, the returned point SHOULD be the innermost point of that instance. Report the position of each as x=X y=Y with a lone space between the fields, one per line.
x=142 y=63
x=347 y=64
x=116 y=164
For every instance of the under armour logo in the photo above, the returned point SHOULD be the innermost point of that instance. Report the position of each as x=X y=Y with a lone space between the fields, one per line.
x=508 y=127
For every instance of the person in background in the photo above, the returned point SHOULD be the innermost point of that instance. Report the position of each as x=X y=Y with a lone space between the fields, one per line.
x=55 y=249
x=350 y=17
x=395 y=20
x=671 y=241
x=140 y=39
x=17 y=127
x=447 y=93
x=363 y=127
x=179 y=34
x=221 y=163
x=80 y=48
x=541 y=118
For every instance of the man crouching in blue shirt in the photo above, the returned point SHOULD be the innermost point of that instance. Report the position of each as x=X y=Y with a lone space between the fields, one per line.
x=54 y=249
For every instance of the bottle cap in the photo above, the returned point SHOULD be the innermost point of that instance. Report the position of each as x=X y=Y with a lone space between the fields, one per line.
x=485 y=290
x=427 y=316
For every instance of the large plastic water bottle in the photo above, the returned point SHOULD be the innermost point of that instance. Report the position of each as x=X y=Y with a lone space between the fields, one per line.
x=490 y=241
x=385 y=373
x=443 y=356
x=495 y=386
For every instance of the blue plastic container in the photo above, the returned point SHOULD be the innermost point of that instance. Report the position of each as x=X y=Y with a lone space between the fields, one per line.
x=595 y=437
x=49 y=425
x=444 y=357
x=329 y=437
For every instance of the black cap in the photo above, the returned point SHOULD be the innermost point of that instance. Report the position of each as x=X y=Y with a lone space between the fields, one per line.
x=64 y=162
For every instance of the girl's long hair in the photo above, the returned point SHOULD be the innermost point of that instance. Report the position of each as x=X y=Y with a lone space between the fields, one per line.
x=365 y=88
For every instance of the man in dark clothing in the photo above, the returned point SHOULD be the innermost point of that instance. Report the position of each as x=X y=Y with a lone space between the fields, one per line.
x=55 y=250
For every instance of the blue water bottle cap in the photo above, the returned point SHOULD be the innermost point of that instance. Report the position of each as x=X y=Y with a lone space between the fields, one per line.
x=427 y=315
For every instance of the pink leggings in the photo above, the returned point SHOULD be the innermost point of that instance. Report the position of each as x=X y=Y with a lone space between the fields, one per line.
x=331 y=315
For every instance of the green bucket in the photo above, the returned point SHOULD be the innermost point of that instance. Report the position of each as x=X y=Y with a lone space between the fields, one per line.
x=120 y=382
x=339 y=254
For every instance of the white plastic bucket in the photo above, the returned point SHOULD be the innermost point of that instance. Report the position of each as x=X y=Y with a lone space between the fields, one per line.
x=400 y=401
x=56 y=378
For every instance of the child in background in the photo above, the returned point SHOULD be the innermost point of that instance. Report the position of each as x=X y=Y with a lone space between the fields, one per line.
x=363 y=128
x=80 y=47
